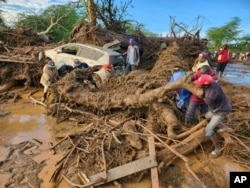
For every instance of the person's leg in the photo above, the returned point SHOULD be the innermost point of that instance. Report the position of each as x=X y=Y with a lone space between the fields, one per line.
x=45 y=91
x=127 y=69
x=218 y=68
x=190 y=114
x=209 y=131
x=203 y=109
x=133 y=67
x=223 y=66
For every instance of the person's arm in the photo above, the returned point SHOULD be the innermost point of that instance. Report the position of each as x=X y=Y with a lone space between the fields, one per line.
x=138 y=55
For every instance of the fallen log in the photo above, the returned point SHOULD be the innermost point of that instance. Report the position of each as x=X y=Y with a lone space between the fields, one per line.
x=121 y=100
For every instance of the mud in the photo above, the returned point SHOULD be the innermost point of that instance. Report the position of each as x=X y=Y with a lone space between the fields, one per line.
x=27 y=161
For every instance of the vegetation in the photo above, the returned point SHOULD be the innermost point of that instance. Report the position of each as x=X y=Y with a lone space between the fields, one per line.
x=57 y=21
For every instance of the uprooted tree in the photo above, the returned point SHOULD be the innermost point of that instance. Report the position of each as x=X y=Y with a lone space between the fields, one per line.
x=114 y=121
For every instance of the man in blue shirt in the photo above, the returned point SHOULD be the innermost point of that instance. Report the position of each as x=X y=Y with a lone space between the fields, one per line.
x=182 y=95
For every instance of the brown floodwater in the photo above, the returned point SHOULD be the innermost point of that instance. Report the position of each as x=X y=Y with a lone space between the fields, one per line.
x=29 y=122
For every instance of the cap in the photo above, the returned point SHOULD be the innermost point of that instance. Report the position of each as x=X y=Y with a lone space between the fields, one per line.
x=131 y=40
x=205 y=79
x=51 y=63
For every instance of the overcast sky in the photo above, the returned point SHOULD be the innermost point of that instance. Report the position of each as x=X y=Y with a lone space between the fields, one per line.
x=154 y=14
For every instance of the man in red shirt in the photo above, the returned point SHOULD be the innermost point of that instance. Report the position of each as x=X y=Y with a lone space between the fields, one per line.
x=223 y=57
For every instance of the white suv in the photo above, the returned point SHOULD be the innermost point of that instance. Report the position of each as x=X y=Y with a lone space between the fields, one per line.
x=88 y=53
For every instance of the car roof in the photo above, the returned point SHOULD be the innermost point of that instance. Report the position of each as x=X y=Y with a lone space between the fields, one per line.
x=92 y=46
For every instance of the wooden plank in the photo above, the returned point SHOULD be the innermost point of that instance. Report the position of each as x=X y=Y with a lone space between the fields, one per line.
x=154 y=170
x=125 y=170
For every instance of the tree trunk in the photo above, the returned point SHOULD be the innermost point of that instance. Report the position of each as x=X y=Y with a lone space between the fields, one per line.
x=91 y=12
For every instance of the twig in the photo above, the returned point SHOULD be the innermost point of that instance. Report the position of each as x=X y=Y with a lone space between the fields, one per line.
x=84 y=178
x=80 y=112
x=167 y=146
x=241 y=143
x=66 y=137
x=98 y=180
x=37 y=102
x=120 y=123
x=37 y=140
x=104 y=160
x=185 y=159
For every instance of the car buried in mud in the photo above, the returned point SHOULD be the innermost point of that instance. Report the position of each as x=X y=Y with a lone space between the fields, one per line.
x=90 y=54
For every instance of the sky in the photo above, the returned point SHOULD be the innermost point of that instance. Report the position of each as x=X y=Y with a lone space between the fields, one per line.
x=155 y=14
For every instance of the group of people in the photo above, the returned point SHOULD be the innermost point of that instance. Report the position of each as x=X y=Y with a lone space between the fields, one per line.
x=51 y=74
x=213 y=105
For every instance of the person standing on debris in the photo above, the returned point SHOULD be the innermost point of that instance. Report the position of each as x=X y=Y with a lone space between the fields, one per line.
x=181 y=95
x=218 y=105
x=200 y=61
x=196 y=102
x=49 y=76
x=223 y=58
x=133 y=56
x=64 y=69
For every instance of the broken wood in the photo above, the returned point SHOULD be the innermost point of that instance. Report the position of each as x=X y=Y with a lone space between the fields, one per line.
x=125 y=170
x=154 y=170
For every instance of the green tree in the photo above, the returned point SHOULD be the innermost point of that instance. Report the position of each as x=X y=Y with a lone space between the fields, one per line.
x=225 y=34
x=55 y=21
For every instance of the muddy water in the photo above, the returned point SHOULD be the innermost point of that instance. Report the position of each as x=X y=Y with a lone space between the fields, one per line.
x=28 y=121
x=237 y=74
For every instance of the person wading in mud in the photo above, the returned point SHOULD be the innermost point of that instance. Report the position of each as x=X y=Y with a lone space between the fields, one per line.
x=49 y=76
x=219 y=107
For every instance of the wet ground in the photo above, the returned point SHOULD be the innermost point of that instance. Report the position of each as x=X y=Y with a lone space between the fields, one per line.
x=27 y=121
x=237 y=74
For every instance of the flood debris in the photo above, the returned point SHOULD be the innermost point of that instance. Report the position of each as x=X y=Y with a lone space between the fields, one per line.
x=112 y=123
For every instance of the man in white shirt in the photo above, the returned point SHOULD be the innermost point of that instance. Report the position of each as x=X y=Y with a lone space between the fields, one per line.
x=133 y=56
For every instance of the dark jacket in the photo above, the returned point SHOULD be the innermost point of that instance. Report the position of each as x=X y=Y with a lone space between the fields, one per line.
x=216 y=100
x=81 y=66
x=62 y=71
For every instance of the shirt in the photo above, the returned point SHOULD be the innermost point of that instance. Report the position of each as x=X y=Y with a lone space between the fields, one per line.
x=216 y=100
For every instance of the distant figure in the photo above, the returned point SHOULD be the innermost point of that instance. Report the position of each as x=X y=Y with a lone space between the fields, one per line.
x=223 y=58
x=200 y=61
x=64 y=69
x=233 y=55
x=133 y=56
x=181 y=95
x=219 y=107
x=196 y=102
x=49 y=76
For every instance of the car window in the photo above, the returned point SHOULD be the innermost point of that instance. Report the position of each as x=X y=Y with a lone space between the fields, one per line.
x=90 y=53
x=70 y=50
x=117 y=59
